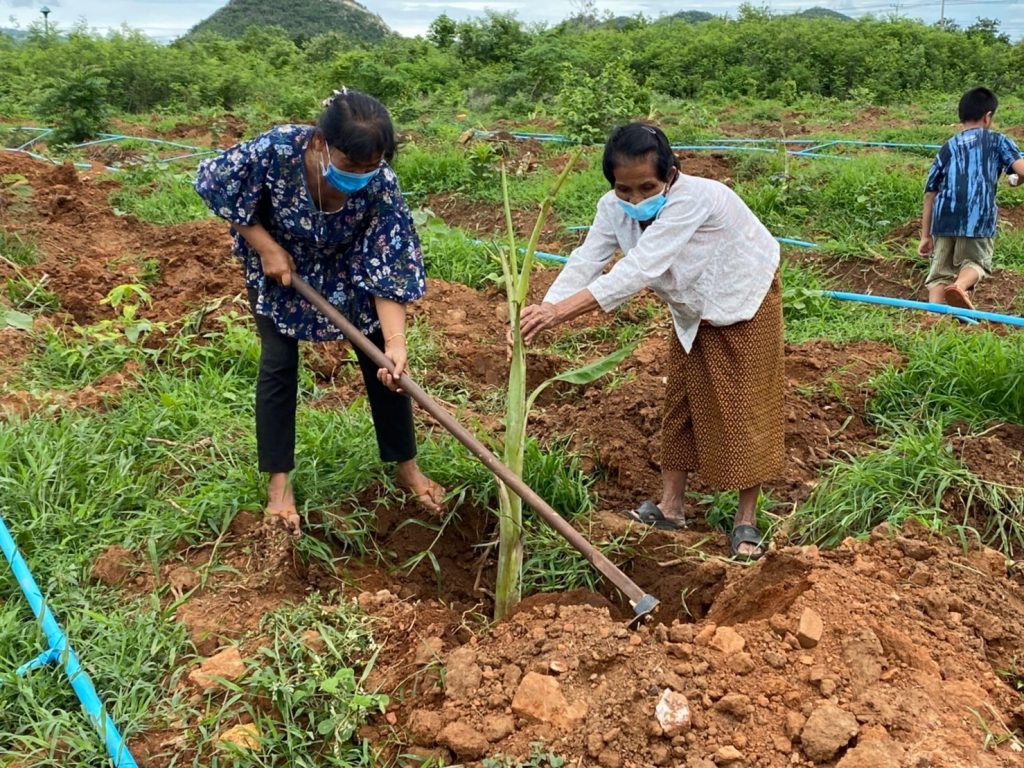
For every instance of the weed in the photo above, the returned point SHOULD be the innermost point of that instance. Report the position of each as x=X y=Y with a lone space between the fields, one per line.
x=31 y=295
x=915 y=477
x=539 y=758
x=951 y=376
x=995 y=737
x=18 y=250
x=309 y=687
x=158 y=194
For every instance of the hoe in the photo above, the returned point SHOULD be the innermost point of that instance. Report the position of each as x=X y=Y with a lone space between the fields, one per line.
x=642 y=603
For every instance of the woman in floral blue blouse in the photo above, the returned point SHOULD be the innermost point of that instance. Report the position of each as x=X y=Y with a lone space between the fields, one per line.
x=323 y=203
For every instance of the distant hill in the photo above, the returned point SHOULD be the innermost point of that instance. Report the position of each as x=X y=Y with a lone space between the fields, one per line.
x=17 y=34
x=695 y=17
x=299 y=18
x=823 y=13
x=692 y=17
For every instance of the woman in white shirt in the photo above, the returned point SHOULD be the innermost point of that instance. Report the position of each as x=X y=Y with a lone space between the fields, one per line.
x=695 y=244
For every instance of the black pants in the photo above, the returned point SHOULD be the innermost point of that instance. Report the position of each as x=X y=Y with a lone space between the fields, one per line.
x=277 y=390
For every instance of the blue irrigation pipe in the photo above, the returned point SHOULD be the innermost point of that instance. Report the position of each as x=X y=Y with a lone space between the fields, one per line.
x=61 y=652
x=797 y=243
x=749 y=145
x=42 y=132
x=46 y=159
x=942 y=309
x=146 y=139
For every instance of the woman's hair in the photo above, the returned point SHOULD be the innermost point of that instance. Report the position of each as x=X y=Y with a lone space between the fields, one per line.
x=358 y=125
x=632 y=142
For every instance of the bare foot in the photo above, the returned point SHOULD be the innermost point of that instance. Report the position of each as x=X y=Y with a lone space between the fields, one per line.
x=281 y=502
x=428 y=493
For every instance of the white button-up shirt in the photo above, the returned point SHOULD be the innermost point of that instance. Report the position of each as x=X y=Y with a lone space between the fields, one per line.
x=706 y=255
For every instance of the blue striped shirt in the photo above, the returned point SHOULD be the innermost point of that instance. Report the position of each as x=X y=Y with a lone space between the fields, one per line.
x=964 y=175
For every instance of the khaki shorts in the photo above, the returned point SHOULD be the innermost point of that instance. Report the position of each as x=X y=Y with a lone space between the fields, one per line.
x=952 y=254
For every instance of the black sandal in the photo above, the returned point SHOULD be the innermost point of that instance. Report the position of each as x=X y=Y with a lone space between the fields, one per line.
x=650 y=514
x=746 y=534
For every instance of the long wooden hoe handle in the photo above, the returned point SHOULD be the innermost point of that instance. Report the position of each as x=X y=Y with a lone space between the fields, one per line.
x=641 y=602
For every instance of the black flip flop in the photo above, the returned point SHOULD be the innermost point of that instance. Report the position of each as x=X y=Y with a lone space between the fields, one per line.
x=650 y=514
x=746 y=534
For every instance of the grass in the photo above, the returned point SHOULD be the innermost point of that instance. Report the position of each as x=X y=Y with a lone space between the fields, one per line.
x=158 y=194
x=18 y=249
x=916 y=476
x=808 y=315
x=453 y=256
x=954 y=376
x=172 y=461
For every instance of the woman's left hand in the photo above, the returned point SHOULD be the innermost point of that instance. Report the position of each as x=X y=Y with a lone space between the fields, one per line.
x=396 y=351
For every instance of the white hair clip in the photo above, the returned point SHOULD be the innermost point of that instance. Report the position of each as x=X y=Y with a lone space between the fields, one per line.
x=334 y=97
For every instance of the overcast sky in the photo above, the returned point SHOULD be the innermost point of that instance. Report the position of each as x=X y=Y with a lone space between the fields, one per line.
x=169 y=18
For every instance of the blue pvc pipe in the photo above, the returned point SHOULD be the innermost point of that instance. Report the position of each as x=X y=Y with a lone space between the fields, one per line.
x=42 y=132
x=734 y=144
x=120 y=137
x=550 y=257
x=798 y=243
x=60 y=651
x=942 y=309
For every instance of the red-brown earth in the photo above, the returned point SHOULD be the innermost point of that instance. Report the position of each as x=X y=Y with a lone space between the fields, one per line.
x=917 y=635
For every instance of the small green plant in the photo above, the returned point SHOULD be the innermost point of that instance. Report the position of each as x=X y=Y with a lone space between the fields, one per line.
x=130 y=298
x=539 y=758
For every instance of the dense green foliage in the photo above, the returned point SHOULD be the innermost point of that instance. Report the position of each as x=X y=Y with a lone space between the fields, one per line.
x=498 y=62
x=301 y=19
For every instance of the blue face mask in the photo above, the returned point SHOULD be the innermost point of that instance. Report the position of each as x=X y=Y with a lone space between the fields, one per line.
x=346 y=182
x=645 y=210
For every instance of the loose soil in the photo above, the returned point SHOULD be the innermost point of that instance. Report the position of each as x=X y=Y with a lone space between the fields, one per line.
x=917 y=634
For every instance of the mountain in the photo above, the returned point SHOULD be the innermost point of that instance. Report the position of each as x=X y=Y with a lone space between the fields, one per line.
x=692 y=17
x=823 y=13
x=17 y=34
x=299 y=18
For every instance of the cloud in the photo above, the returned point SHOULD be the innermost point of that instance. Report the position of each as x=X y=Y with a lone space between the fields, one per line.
x=30 y=3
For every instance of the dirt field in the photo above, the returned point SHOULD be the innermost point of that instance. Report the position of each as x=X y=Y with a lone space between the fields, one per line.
x=882 y=653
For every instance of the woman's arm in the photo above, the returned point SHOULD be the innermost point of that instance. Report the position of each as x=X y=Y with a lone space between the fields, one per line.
x=539 y=317
x=277 y=262
x=392 y=325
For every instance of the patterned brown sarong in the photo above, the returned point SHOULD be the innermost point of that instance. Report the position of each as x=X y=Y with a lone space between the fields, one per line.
x=723 y=414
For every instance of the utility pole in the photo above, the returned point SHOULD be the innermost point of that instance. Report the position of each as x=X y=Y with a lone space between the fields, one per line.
x=46 y=20
x=942 y=14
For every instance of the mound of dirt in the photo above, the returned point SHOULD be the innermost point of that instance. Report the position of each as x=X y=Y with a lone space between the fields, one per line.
x=876 y=654
x=86 y=249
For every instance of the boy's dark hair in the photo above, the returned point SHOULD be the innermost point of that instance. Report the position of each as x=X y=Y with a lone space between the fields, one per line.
x=977 y=103
x=634 y=141
x=358 y=125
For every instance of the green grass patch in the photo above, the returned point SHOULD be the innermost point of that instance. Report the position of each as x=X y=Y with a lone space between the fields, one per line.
x=954 y=376
x=1009 y=250
x=18 y=249
x=915 y=477
x=158 y=194
x=451 y=255
x=808 y=315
